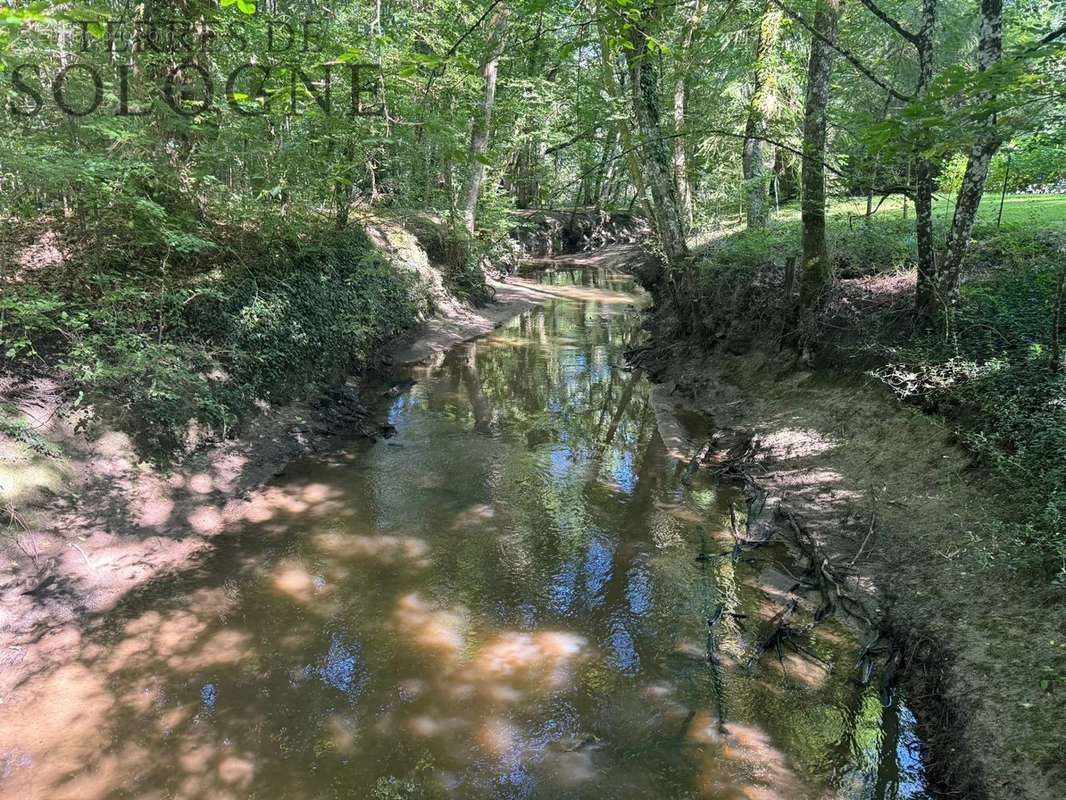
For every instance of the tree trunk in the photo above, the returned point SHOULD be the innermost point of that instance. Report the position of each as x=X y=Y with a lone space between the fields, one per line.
x=344 y=188
x=973 y=182
x=926 y=291
x=479 y=133
x=759 y=111
x=785 y=175
x=605 y=171
x=621 y=122
x=680 y=145
x=816 y=268
x=926 y=299
x=655 y=159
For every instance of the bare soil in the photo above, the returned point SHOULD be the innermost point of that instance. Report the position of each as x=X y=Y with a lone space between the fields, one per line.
x=887 y=495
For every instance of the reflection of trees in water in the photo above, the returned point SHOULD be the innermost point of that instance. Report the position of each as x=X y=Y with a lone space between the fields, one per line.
x=521 y=586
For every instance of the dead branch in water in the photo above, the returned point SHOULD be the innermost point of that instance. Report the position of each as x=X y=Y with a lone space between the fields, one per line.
x=694 y=464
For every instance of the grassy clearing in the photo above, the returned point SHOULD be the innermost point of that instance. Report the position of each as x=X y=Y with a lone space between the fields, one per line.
x=1019 y=210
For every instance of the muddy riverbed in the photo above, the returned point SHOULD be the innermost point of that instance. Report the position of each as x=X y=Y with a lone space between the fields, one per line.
x=500 y=599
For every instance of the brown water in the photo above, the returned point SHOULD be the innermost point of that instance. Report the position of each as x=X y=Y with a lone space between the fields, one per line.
x=499 y=601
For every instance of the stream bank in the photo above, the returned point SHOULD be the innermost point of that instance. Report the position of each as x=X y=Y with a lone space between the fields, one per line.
x=882 y=491
x=515 y=592
x=85 y=518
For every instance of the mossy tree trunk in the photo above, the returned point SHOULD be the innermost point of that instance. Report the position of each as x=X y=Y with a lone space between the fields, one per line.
x=479 y=132
x=655 y=161
x=926 y=295
x=989 y=49
x=816 y=267
x=760 y=109
x=680 y=143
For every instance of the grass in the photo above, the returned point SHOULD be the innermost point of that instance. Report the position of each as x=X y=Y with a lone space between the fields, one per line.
x=1019 y=211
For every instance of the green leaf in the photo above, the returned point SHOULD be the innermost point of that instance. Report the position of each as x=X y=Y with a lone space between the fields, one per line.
x=246 y=7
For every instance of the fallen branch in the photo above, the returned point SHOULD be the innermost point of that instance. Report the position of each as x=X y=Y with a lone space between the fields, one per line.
x=87 y=562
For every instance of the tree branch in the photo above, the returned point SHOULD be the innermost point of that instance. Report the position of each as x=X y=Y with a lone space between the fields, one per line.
x=1055 y=34
x=572 y=141
x=848 y=56
x=876 y=10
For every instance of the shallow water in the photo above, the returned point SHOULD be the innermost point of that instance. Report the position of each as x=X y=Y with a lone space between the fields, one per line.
x=501 y=600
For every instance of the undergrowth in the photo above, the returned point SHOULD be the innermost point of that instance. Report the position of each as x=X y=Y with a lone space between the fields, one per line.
x=175 y=350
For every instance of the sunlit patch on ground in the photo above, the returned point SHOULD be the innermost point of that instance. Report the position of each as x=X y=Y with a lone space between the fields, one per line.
x=543 y=660
x=428 y=627
x=381 y=549
x=738 y=762
x=293 y=579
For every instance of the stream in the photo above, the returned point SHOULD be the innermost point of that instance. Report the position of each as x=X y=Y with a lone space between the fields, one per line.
x=500 y=599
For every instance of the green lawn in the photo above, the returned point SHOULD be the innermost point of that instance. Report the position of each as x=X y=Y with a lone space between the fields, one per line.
x=1019 y=210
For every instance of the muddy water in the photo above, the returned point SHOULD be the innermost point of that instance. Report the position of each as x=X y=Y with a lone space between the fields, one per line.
x=501 y=600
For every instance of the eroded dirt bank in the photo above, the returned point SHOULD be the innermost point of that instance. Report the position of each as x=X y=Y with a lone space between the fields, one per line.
x=881 y=491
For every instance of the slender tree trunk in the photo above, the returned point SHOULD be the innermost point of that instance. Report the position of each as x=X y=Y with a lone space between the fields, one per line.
x=816 y=268
x=606 y=171
x=344 y=188
x=759 y=111
x=479 y=133
x=655 y=159
x=684 y=188
x=680 y=145
x=968 y=201
x=784 y=175
x=622 y=117
x=925 y=295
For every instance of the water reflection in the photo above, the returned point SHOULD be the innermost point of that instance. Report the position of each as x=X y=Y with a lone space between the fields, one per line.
x=500 y=601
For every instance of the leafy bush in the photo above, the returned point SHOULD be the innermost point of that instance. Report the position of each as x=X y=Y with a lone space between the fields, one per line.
x=28 y=321
x=309 y=319
x=1034 y=160
x=1015 y=421
x=863 y=249
x=995 y=382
